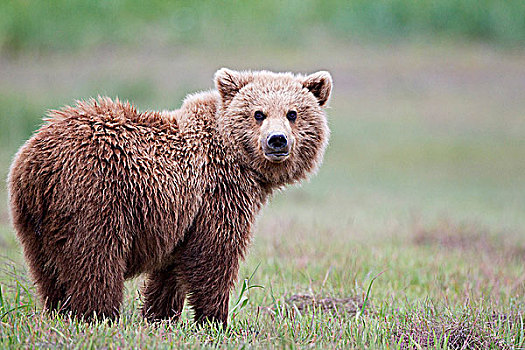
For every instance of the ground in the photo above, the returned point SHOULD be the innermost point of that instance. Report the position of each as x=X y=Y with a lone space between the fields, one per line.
x=412 y=232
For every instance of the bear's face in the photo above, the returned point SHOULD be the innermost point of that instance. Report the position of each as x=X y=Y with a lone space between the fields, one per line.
x=275 y=121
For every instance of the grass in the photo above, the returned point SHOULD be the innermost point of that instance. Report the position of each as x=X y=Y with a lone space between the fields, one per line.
x=411 y=235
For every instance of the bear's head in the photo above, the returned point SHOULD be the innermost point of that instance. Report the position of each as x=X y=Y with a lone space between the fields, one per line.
x=275 y=121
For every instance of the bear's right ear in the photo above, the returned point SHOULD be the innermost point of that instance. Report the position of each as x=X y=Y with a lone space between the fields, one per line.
x=229 y=82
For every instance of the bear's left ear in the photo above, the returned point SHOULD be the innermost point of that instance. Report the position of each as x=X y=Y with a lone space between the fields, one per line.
x=320 y=85
x=229 y=82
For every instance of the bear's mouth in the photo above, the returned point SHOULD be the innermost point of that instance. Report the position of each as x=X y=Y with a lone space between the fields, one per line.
x=276 y=157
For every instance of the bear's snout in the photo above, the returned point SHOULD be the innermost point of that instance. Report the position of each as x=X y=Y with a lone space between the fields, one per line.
x=277 y=146
x=277 y=141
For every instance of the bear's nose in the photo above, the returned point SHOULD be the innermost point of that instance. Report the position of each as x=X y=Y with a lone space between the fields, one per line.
x=277 y=141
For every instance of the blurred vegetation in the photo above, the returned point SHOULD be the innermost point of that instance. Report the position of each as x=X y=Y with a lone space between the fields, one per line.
x=73 y=24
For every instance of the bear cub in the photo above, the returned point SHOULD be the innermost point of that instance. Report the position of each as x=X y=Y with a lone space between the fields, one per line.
x=102 y=193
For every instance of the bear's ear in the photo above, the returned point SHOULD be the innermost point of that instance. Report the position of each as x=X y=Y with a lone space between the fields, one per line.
x=319 y=84
x=229 y=82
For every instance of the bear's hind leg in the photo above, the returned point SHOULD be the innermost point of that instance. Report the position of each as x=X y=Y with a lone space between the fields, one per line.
x=91 y=292
x=52 y=294
x=92 y=273
x=38 y=254
x=164 y=296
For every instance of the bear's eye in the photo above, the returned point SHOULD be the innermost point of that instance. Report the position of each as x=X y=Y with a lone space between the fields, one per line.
x=258 y=115
x=291 y=115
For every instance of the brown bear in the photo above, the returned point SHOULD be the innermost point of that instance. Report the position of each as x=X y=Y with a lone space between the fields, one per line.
x=102 y=193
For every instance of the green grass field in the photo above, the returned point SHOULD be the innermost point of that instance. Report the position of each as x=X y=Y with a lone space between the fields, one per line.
x=411 y=235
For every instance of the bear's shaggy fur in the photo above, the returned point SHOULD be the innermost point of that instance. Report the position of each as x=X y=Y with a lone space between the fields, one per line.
x=102 y=193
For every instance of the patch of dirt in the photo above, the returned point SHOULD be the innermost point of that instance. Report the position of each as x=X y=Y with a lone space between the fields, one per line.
x=420 y=331
x=303 y=302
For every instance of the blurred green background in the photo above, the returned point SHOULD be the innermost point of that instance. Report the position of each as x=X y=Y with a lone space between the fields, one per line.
x=427 y=112
x=77 y=24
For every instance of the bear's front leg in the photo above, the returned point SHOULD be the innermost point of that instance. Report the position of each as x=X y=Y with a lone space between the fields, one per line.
x=211 y=272
x=215 y=243
x=210 y=260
